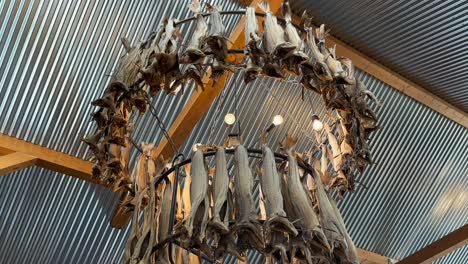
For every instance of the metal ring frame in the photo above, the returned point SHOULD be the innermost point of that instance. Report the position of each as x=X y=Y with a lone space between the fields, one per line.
x=253 y=153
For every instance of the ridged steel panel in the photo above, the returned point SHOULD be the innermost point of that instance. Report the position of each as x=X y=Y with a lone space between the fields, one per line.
x=415 y=191
x=424 y=40
x=55 y=58
x=47 y=217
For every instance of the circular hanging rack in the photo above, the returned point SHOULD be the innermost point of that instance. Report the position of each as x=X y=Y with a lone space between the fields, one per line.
x=252 y=153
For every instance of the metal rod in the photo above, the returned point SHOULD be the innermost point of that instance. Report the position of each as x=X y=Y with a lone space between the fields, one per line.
x=306 y=167
x=174 y=191
x=176 y=167
x=235 y=12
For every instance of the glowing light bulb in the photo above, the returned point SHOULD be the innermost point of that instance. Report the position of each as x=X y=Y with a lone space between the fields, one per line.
x=317 y=125
x=195 y=147
x=277 y=120
x=230 y=119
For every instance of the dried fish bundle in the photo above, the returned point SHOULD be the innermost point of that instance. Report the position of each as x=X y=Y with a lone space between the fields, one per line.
x=311 y=232
x=166 y=254
x=273 y=35
x=194 y=54
x=330 y=58
x=318 y=59
x=215 y=43
x=253 y=51
x=270 y=183
x=328 y=220
x=220 y=216
x=162 y=68
x=246 y=227
x=128 y=68
x=351 y=252
x=293 y=61
x=200 y=203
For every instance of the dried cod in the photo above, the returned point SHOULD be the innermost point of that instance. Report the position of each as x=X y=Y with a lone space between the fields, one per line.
x=294 y=60
x=309 y=225
x=247 y=227
x=194 y=54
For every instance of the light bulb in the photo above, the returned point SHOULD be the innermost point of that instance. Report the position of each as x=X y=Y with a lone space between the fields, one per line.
x=277 y=120
x=195 y=147
x=317 y=125
x=230 y=119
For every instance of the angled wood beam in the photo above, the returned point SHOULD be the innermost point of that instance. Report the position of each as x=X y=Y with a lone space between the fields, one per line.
x=439 y=248
x=368 y=257
x=15 y=161
x=48 y=158
x=397 y=81
x=196 y=107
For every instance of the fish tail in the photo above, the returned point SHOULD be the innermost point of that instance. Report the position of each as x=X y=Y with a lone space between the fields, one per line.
x=286 y=10
x=265 y=6
x=195 y=7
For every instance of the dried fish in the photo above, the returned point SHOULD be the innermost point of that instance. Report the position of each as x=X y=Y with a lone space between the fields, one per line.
x=215 y=43
x=198 y=197
x=270 y=183
x=330 y=57
x=351 y=252
x=135 y=232
x=327 y=218
x=273 y=35
x=193 y=54
x=310 y=228
x=130 y=64
x=166 y=254
x=318 y=59
x=219 y=220
x=253 y=52
x=247 y=226
x=293 y=61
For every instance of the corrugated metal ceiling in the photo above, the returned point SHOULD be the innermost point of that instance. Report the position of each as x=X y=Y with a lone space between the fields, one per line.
x=423 y=40
x=54 y=57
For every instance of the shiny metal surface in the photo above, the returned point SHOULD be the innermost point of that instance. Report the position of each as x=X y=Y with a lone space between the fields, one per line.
x=423 y=40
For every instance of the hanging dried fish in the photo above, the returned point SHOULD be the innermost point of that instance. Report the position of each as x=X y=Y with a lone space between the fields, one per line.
x=327 y=218
x=253 y=52
x=194 y=54
x=351 y=252
x=293 y=61
x=219 y=220
x=330 y=57
x=309 y=224
x=135 y=231
x=318 y=59
x=215 y=43
x=128 y=68
x=166 y=254
x=270 y=184
x=163 y=68
x=247 y=226
x=199 y=199
x=273 y=35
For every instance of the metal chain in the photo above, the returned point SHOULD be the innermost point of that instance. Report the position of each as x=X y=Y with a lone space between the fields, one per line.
x=162 y=126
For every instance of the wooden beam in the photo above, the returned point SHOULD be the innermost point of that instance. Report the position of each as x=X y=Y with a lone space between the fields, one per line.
x=48 y=158
x=196 y=107
x=397 y=81
x=439 y=248
x=368 y=257
x=15 y=161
